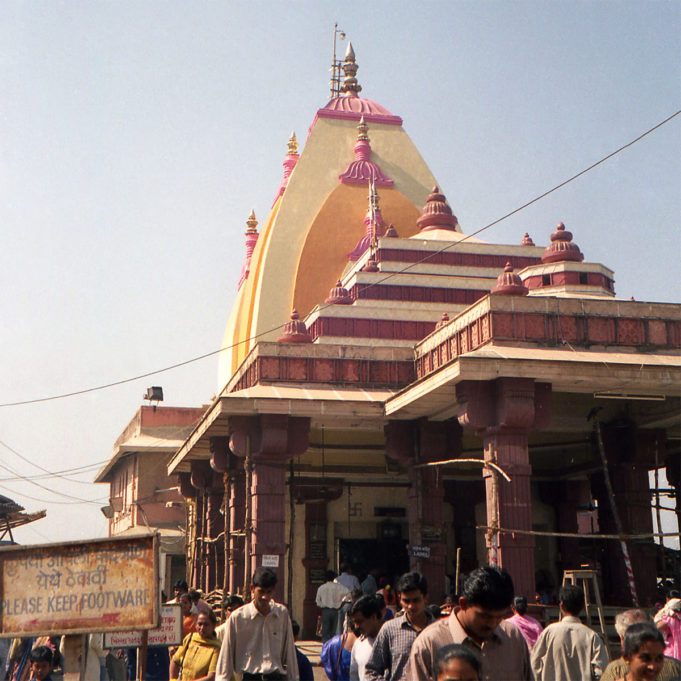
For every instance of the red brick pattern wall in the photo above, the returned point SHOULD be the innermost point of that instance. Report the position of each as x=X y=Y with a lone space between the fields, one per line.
x=552 y=330
x=365 y=373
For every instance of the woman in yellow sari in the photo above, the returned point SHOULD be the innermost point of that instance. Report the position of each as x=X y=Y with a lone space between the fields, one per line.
x=197 y=657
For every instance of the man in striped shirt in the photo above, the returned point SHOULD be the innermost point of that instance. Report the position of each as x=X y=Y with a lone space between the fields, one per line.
x=390 y=655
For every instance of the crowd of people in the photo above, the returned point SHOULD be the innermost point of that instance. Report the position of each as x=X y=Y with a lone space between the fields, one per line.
x=474 y=637
x=371 y=632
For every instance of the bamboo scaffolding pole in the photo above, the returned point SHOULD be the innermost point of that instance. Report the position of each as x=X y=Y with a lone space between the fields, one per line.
x=247 y=520
x=577 y=535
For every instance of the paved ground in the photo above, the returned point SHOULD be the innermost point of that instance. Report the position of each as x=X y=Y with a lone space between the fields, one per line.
x=312 y=649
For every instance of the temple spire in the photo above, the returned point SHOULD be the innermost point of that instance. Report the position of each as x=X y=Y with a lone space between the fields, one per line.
x=251 y=240
x=350 y=86
x=293 y=145
x=289 y=164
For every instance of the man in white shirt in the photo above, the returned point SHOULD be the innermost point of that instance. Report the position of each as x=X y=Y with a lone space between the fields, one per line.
x=367 y=619
x=347 y=579
x=259 y=638
x=568 y=649
x=328 y=599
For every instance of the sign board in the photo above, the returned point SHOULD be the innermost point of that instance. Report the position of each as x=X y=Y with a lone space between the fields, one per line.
x=270 y=560
x=80 y=587
x=420 y=551
x=168 y=634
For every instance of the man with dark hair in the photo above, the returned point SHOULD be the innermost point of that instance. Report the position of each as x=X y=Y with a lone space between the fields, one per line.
x=568 y=649
x=180 y=587
x=367 y=618
x=347 y=579
x=393 y=643
x=477 y=623
x=329 y=599
x=258 y=640
x=230 y=603
x=526 y=625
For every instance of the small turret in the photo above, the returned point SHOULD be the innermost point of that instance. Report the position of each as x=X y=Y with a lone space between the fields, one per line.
x=289 y=164
x=251 y=240
x=437 y=214
x=295 y=331
x=509 y=283
x=561 y=248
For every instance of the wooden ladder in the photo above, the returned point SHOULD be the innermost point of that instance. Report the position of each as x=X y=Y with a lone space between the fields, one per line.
x=583 y=578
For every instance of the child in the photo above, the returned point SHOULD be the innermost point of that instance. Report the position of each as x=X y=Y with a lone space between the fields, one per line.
x=643 y=649
x=457 y=663
x=41 y=663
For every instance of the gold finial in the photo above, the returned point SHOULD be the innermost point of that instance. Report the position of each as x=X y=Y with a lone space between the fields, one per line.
x=362 y=129
x=350 y=85
x=293 y=145
x=251 y=223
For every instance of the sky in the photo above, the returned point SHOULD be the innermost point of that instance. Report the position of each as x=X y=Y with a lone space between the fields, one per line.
x=137 y=136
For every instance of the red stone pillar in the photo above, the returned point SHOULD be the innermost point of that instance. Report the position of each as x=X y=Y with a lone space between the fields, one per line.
x=215 y=526
x=269 y=510
x=237 y=514
x=503 y=411
x=188 y=491
x=630 y=453
x=509 y=505
x=270 y=440
x=201 y=476
x=422 y=442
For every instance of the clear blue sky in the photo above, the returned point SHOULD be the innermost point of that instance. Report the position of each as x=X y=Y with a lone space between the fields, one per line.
x=137 y=136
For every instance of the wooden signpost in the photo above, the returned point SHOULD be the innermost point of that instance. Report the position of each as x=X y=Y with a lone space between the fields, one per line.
x=77 y=588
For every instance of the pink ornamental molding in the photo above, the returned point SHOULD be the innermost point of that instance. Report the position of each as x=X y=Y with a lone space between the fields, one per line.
x=363 y=170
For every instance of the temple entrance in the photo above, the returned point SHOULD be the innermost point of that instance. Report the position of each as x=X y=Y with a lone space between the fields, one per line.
x=390 y=556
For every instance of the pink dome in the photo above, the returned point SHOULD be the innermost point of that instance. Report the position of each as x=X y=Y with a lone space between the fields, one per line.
x=352 y=108
x=295 y=331
x=339 y=295
x=561 y=247
x=436 y=213
x=509 y=283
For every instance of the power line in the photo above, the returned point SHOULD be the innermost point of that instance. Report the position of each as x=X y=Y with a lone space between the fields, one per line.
x=448 y=247
x=56 y=474
x=44 y=501
x=47 y=489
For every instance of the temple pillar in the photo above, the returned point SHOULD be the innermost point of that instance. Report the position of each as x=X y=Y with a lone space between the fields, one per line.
x=189 y=493
x=215 y=526
x=509 y=505
x=267 y=442
x=220 y=462
x=420 y=442
x=630 y=453
x=237 y=515
x=200 y=478
x=503 y=411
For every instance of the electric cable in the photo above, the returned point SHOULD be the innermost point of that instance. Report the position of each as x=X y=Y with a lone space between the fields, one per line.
x=56 y=474
x=47 y=489
x=45 y=501
x=448 y=247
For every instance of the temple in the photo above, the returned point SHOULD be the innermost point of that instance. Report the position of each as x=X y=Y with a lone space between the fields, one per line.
x=392 y=390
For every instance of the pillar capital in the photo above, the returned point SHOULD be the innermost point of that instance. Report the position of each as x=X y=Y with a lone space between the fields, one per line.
x=504 y=403
x=219 y=454
x=269 y=437
x=422 y=440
